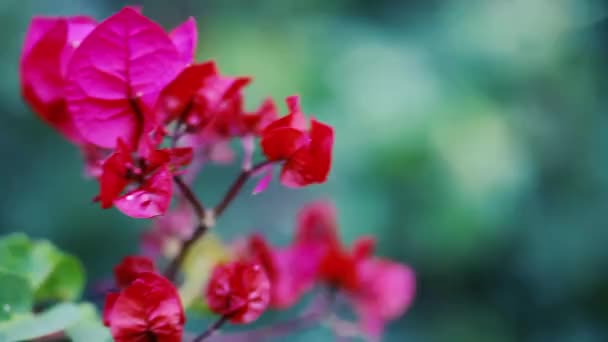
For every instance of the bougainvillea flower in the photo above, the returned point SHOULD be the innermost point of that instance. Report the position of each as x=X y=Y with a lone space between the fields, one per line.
x=177 y=100
x=130 y=268
x=292 y=271
x=49 y=44
x=317 y=224
x=379 y=290
x=306 y=152
x=151 y=176
x=185 y=38
x=386 y=290
x=255 y=122
x=201 y=98
x=147 y=310
x=238 y=290
x=115 y=76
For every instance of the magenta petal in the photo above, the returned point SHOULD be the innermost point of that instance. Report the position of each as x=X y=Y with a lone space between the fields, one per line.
x=263 y=183
x=185 y=38
x=78 y=29
x=387 y=290
x=149 y=200
x=39 y=26
x=116 y=75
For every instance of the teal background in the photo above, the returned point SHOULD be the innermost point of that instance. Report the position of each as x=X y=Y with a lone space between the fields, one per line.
x=471 y=140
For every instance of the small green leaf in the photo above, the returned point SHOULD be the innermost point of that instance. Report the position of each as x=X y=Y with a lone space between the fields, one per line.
x=52 y=274
x=17 y=255
x=15 y=295
x=51 y=321
x=65 y=282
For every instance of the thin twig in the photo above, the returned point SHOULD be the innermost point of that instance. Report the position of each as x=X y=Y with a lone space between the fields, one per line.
x=174 y=265
x=203 y=226
x=305 y=320
x=189 y=195
x=236 y=187
x=211 y=329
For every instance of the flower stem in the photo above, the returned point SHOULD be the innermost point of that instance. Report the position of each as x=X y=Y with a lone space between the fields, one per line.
x=201 y=213
x=319 y=310
x=174 y=265
x=190 y=197
x=236 y=187
x=211 y=329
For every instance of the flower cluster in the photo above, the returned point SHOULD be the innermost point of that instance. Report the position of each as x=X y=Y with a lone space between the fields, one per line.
x=378 y=289
x=123 y=88
x=146 y=116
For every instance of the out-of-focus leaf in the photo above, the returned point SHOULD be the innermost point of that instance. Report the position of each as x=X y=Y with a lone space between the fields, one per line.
x=15 y=295
x=51 y=321
x=17 y=255
x=89 y=328
x=89 y=331
x=52 y=274
x=66 y=282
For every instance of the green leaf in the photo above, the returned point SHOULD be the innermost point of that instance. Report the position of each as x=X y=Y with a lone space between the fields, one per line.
x=17 y=255
x=89 y=328
x=52 y=274
x=89 y=331
x=15 y=295
x=51 y=321
x=66 y=281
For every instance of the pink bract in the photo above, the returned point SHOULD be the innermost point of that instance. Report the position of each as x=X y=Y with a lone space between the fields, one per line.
x=48 y=47
x=386 y=291
x=115 y=76
x=185 y=38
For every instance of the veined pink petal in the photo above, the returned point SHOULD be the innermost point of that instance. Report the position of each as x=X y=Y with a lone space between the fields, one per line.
x=115 y=76
x=185 y=38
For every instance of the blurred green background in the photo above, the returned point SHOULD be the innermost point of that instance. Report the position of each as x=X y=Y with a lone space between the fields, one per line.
x=471 y=139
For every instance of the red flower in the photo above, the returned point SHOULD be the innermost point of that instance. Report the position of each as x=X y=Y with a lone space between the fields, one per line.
x=254 y=123
x=238 y=290
x=306 y=152
x=386 y=290
x=317 y=224
x=130 y=268
x=147 y=310
x=151 y=174
x=200 y=96
x=48 y=46
x=379 y=290
x=292 y=271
